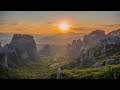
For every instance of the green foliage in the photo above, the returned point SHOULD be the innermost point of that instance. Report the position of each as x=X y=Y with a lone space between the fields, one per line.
x=113 y=49
x=46 y=66
x=43 y=68
x=105 y=72
x=5 y=73
x=40 y=69
x=95 y=50
x=111 y=56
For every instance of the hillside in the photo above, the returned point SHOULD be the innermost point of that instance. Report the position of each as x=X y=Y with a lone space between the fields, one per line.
x=97 y=57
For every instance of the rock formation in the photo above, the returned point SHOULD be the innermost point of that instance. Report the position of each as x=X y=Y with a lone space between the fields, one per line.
x=94 y=46
x=3 y=60
x=95 y=38
x=91 y=40
x=112 y=61
x=113 y=37
x=59 y=74
x=22 y=48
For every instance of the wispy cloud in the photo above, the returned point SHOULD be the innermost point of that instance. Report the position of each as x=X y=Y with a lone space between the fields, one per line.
x=107 y=28
x=96 y=27
x=10 y=23
x=80 y=28
x=112 y=25
x=52 y=23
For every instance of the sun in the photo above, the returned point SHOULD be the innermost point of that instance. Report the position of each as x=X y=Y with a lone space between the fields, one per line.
x=64 y=26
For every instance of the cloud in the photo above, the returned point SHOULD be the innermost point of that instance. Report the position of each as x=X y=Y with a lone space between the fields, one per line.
x=10 y=23
x=82 y=28
x=112 y=25
x=96 y=27
x=52 y=23
x=49 y=22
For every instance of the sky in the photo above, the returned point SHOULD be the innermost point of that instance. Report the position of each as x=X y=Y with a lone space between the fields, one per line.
x=47 y=22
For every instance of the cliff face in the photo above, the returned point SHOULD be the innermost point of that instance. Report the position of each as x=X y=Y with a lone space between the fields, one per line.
x=25 y=45
x=94 y=46
x=113 y=37
x=91 y=40
x=21 y=49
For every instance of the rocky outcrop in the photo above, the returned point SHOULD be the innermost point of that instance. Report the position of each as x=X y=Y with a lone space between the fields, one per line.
x=1 y=49
x=91 y=40
x=94 y=46
x=112 y=61
x=1 y=54
x=22 y=48
x=59 y=74
x=3 y=60
x=95 y=38
x=24 y=45
x=98 y=65
x=113 y=37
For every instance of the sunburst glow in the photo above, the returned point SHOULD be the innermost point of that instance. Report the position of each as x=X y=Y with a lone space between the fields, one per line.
x=64 y=26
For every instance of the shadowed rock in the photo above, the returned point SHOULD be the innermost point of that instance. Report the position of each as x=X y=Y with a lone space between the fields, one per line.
x=21 y=49
x=113 y=37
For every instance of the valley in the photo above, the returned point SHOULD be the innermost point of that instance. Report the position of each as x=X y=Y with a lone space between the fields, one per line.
x=96 y=56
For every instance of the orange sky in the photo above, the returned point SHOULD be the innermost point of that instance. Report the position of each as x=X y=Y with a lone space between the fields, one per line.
x=47 y=22
x=37 y=28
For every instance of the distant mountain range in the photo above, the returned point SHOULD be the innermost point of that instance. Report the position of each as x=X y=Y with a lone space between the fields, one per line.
x=61 y=38
x=57 y=39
